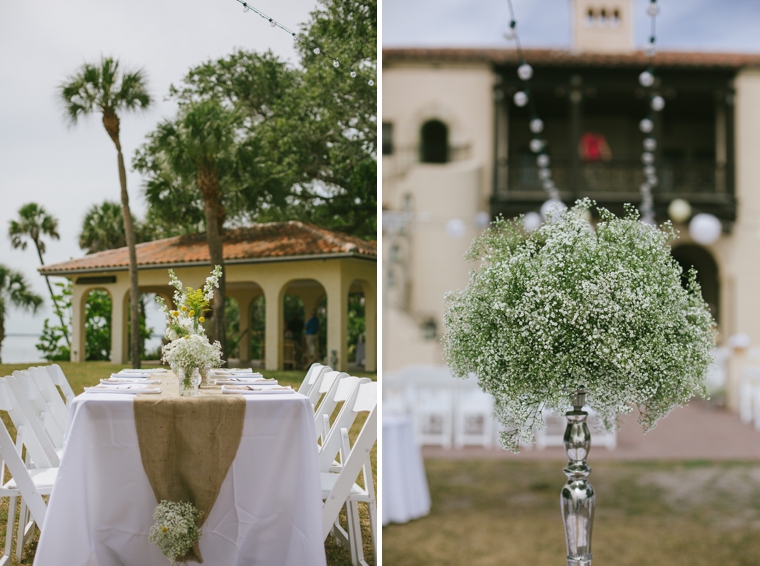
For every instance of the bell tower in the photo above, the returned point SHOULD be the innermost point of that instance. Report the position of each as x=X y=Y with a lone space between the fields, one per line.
x=603 y=26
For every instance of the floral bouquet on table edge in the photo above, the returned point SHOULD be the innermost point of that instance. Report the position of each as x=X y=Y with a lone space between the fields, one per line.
x=569 y=306
x=191 y=305
x=193 y=351
x=175 y=530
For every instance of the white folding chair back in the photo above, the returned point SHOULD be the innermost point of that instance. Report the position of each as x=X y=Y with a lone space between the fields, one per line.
x=473 y=423
x=38 y=444
x=340 y=489
x=315 y=392
x=339 y=392
x=398 y=397
x=310 y=378
x=749 y=381
x=434 y=412
x=28 y=389
x=329 y=381
x=59 y=378
x=51 y=395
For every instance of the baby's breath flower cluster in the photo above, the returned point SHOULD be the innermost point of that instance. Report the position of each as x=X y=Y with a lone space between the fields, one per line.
x=569 y=306
x=175 y=530
x=191 y=305
x=193 y=351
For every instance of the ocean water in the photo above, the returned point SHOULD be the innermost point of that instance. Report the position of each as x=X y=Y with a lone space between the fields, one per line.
x=19 y=349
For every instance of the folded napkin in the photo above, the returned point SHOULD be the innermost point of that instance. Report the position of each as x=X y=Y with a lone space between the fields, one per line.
x=151 y=370
x=255 y=390
x=123 y=388
x=130 y=375
x=234 y=372
x=140 y=380
x=244 y=380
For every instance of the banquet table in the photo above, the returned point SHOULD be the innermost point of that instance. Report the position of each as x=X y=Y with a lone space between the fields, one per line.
x=405 y=489
x=268 y=512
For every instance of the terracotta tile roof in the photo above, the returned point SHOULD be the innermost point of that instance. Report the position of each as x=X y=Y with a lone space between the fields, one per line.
x=566 y=58
x=272 y=241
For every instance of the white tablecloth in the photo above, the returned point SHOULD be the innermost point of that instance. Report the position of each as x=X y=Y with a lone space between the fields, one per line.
x=405 y=489
x=269 y=509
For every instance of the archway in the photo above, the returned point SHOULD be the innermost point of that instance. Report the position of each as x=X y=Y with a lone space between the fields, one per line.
x=97 y=325
x=434 y=146
x=257 y=317
x=304 y=318
x=690 y=255
x=357 y=339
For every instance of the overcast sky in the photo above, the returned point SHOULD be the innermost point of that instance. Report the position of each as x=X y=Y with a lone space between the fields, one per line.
x=725 y=25
x=68 y=169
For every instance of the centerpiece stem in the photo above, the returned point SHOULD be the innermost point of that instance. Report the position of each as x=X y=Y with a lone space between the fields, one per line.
x=577 y=498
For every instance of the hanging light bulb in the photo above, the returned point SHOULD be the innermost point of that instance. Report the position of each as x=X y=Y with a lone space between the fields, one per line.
x=520 y=98
x=536 y=125
x=335 y=63
x=352 y=74
x=544 y=174
x=646 y=125
x=649 y=170
x=536 y=145
x=531 y=221
x=509 y=34
x=245 y=7
x=646 y=79
x=370 y=82
x=705 y=229
x=653 y=180
x=525 y=72
x=317 y=51
x=645 y=189
x=658 y=103
x=647 y=158
x=650 y=50
x=679 y=210
x=542 y=160
x=653 y=9
x=552 y=209
x=548 y=185
x=272 y=23
x=650 y=144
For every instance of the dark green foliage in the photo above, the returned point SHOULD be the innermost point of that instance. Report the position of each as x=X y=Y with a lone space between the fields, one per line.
x=97 y=312
x=355 y=323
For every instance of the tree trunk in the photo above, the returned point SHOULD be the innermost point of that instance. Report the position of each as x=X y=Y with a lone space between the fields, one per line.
x=2 y=331
x=64 y=328
x=111 y=124
x=208 y=184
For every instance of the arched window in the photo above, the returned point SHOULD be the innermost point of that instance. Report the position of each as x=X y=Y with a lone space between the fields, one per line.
x=690 y=255
x=435 y=142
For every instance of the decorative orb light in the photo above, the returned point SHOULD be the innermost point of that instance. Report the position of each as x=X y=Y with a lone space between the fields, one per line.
x=652 y=180
x=536 y=125
x=335 y=63
x=548 y=184
x=531 y=221
x=649 y=170
x=645 y=188
x=520 y=98
x=544 y=174
x=705 y=229
x=482 y=219
x=245 y=7
x=455 y=228
x=650 y=144
x=658 y=103
x=653 y=9
x=646 y=79
x=536 y=145
x=525 y=72
x=650 y=50
x=509 y=35
x=370 y=82
x=646 y=125
x=647 y=158
x=352 y=74
x=679 y=210
x=542 y=160
x=648 y=219
x=739 y=342
x=316 y=51
x=273 y=23
x=552 y=209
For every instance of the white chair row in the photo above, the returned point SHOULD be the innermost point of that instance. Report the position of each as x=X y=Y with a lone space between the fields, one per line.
x=341 y=463
x=447 y=411
x=38 y=412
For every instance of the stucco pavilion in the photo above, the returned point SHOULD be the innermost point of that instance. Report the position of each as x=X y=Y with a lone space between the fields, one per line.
x=272 y=259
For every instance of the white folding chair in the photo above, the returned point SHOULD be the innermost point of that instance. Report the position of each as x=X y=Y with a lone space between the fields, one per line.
x=59 y=378
x=339 y=392
x=473 y=420
x=28 y=388
x=320 y=391
x=310 y=378
x=50 y=395
x=749 y=381
x=553 y=433
x=434 y=412
x=398 y=396
x=28 y=483
x=39 y=446
x=339 y=489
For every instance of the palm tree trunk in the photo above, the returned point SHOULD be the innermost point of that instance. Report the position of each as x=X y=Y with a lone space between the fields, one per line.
x=208 y=183
x=2 y=330
x=64 y=328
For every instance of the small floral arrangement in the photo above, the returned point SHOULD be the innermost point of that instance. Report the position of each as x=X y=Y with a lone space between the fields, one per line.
x=569 y=306
x=192 y=351
x=175 y=530
x=191 y=305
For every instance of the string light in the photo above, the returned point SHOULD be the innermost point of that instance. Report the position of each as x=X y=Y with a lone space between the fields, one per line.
x=522 y=98
x=315 y=49
x=656 y=104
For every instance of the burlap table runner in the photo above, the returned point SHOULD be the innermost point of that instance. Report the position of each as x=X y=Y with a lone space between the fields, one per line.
x=187 y=444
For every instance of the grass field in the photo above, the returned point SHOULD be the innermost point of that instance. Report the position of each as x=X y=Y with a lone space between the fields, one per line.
x=659 y=514
x=85 y=374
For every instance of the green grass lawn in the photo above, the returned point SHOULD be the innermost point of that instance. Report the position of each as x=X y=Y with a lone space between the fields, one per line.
x=652 y=513
x=81 y=375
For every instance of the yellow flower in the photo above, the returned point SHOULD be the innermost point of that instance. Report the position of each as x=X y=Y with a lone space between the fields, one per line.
x=201 y=319
x=186 y=337
x=192 y=313
x=175 y=313
x=163 y=528
x=184 y=308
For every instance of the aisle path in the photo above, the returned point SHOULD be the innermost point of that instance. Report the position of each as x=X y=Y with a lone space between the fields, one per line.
x=700 y=431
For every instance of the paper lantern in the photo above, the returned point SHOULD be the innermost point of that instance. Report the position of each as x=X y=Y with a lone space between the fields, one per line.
x=531 y=221
x=455 y=228
x=552 y=209
x=679 y=210
x=705 y=229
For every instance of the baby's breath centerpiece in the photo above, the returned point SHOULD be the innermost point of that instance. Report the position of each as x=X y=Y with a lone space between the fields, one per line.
x=567 y=306
x=175 y=530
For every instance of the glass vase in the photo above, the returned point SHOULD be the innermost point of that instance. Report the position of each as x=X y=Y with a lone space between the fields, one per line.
x=189 y=380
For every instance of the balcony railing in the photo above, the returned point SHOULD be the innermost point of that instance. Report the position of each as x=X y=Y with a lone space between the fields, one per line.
x=613 y=177
x=402 y=159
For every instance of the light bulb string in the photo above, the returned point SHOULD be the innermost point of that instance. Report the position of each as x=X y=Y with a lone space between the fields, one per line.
x=650 y=166
x=317 y=50
x=548 y=184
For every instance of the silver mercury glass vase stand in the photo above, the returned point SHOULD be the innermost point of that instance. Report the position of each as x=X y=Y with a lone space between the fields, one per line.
x=577 y=498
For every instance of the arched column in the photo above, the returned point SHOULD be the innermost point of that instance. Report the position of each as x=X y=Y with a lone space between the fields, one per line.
x=370 y=326
x=78 y=338
x=244 y=298
x=337 y=322
x=273 y=295
x=119 y=326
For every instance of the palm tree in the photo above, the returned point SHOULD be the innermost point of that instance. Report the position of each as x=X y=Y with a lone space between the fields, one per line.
x=34 y=222
x=199 y=145
x=14 y=290
x=103 y=228
x=103 y=88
